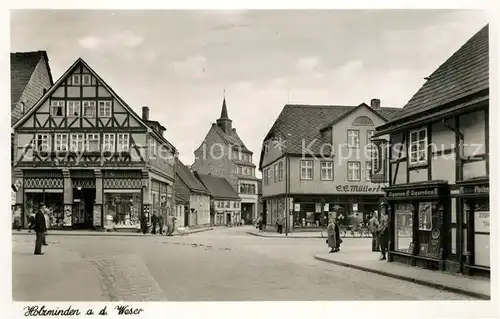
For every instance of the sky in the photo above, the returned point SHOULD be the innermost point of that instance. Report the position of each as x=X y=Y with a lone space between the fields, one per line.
x=179 y=63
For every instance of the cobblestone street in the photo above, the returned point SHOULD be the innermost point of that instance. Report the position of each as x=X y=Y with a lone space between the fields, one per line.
x=226 y=264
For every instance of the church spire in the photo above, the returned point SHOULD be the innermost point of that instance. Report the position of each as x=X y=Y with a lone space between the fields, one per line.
x=224 y=122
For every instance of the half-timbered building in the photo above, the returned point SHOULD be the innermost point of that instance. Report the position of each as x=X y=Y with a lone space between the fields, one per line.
x=85 y=154
x=438 y=172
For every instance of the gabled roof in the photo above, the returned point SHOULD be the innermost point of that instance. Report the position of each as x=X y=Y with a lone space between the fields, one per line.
x=218 y=187
x=463 y=75
x=22 y=66
x=188 y=178
x=385 y=113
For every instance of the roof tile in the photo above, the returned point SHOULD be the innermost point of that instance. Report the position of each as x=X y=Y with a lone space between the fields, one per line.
x=219 y=187
x=22 y=66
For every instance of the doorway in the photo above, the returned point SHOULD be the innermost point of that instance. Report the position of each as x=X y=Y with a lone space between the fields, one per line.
x=83 y=208
x=228 y=218
x=247 y=212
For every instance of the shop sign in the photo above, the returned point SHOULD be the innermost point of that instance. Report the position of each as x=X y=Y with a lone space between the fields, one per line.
x=476 y=189
x=296 y=207
x=414 y=193
x=326 y=208
x=482 y=221
x=355 y=207
x=318 y=208
x=358 y=189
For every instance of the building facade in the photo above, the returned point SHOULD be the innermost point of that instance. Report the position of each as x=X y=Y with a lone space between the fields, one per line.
x=438 y=198
x=84 y=153
x=316 y=162
x=225 y=200
x=223 y=153
x=195 y=196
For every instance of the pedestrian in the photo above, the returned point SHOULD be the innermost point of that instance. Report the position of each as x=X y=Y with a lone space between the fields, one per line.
x=160 y=224
x=373 y=226
x=170 y=225
x=40 y=227
x=260 y=223
x=46 y=215
x=279 y=223
x=153 y=222
x=332 y=237
x=17 y=218
x=383 y=235
x=109 y=223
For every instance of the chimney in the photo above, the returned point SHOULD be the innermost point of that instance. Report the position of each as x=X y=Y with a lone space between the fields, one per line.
x=375 y=103
x=145 y=113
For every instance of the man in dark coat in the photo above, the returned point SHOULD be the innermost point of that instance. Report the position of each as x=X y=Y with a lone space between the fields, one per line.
x=40 y=228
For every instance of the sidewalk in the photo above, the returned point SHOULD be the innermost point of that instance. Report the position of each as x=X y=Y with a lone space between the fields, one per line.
x=362 y=258
x=290 y=235
x=110 y=234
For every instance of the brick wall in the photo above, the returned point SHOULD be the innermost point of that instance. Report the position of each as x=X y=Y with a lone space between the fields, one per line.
x=39 y=81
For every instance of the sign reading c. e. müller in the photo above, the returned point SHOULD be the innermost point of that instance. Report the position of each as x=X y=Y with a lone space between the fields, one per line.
x=414 y=193
x=358 y=189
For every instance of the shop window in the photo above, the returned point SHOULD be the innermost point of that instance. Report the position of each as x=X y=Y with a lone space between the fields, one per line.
x=124 y=207
x=429 y=227
x=482 y=234
x=53 y=203
x=404 y=228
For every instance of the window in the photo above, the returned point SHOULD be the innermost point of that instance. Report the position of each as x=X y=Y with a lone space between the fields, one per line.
x=306 y=169
x=75 y=78
x=326 y=171
x=353 y=171
x=61 y=142
x=89 y=108
x=369 y=144
x=77 y=142
x=122 y=144
x=93 y=142
x=57 y=108
x=418 y=146
x=42 y=142
x=280 y=173
x=73 y=108
x=104 y=108
x=108 y=142
x=276 y=178
x=369 y=135
x=266 y=179
x=153 y=146
x=352 y=138
x=268 y=175
x=404 y=228
x=86 y=79
x=368 y=170
x=228 y=204
x=240 y=170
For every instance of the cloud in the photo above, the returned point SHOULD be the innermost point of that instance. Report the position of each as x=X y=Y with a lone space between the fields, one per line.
x=113 y=41
x=191 y=67
x=89 y=42
x=308 y=63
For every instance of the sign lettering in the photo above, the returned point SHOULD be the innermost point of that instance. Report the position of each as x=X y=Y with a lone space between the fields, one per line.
x=414 y=193
x=358 y=189
x=476 y=189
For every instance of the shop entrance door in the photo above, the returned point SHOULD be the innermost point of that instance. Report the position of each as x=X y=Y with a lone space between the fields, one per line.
x=228 y=218
x=83 y=210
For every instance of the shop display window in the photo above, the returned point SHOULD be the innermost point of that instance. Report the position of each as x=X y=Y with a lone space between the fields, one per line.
x=404 y=227
x=429 y=228
x=124 y=208
x=53 y=203
x=482 y=234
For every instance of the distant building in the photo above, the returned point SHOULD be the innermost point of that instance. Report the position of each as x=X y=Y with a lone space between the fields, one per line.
x=226 y=202
x=438 y=196
x=223 y=153
x=316 y=160
x=196 y=198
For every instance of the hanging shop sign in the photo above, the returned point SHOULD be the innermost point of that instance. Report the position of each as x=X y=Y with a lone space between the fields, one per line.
x=358 y=189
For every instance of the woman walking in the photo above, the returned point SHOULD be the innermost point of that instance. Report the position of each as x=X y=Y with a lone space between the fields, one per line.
x=333 y=237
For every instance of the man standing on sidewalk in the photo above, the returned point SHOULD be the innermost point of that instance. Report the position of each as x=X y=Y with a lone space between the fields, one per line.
x=373 y=225
x=279 y=224
x=383 y=234
x=40 y=227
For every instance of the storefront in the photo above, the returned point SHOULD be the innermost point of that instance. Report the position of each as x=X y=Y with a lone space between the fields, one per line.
x=122 y=198
x=474 y=197
x=312 y=212
x=417 y=228
x=43 y=187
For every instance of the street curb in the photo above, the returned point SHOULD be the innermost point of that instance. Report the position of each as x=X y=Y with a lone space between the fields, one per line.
x=410 y=279
x=103 y=234
x=294 y=237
